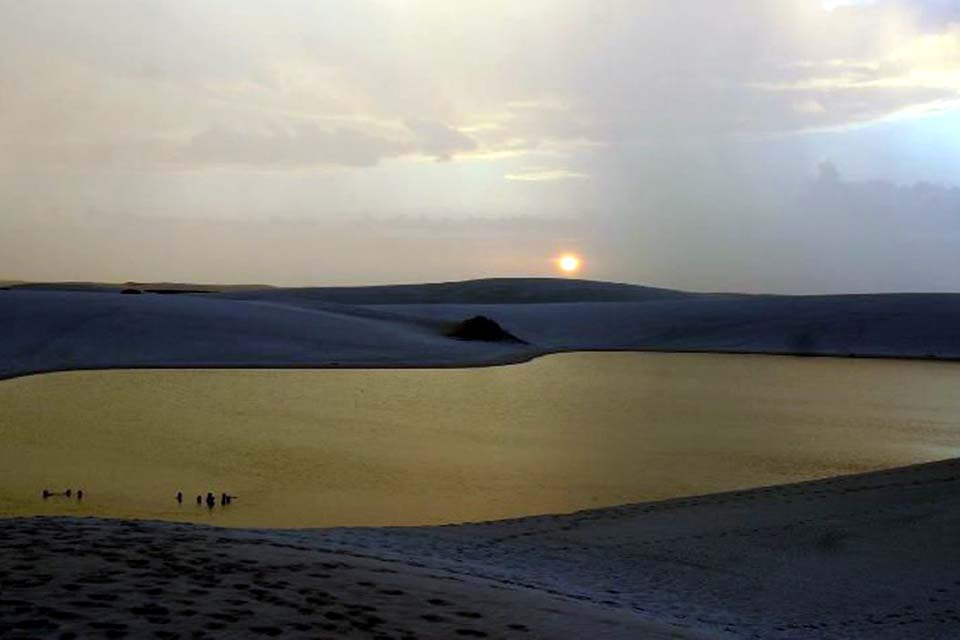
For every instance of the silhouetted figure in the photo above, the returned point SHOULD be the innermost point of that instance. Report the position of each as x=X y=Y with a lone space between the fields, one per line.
x=211 y=500
x=199 y=500
x=68 y=493
x=229 y=498
x=179 y=497
x=79 y=494
x=47 y=493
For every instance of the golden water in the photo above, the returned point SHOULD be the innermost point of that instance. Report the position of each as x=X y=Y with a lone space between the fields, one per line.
x=561 y=433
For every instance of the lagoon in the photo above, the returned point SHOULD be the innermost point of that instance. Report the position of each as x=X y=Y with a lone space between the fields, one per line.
x=305 y=448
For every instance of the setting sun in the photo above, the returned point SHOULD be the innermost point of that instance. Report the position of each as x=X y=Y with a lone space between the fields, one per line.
x=569 y=263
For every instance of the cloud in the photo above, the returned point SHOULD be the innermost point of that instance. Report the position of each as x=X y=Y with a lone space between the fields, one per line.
x=545 y=175
x=299 y=146
x=301 y=78
x=309 y=145
x=630 y=58
x=809 y=105
x=678 y=134
x=830 y=5
x=829 y=234
x=439 y=140
x=295 y=146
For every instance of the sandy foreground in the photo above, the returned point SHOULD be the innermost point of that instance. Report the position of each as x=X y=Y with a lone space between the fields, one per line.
x=868 y=556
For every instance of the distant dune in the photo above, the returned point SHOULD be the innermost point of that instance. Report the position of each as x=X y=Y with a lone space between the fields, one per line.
x=76 y=326
x=80 y=285
x=867 y=556
x=487 y=291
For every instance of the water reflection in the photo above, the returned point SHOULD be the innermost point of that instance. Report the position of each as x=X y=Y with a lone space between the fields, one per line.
x=565 y=432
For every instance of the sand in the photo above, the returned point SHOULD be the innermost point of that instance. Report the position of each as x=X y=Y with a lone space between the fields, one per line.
x=866 y=556
x=129 y=579
x=50 y=329
x=871 y=556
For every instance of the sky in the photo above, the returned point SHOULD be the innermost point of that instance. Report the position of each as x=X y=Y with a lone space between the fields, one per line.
x=789 y=146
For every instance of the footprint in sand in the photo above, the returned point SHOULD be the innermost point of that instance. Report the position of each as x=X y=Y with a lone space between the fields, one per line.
x=87 y=604
x=111 y=629
x=223 y=617
x=432 y=617
x=35 y=625
x=149 y=609
x=56 y=614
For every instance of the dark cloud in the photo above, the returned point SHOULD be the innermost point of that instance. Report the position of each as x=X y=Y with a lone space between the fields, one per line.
x=298 y=146
x=439 y=140
x=308 y=145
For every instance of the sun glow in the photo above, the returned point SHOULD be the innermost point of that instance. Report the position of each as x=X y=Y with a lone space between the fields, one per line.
x=569 y=263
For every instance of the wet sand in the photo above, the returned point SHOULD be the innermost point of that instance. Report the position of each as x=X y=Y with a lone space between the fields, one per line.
x=866 y=556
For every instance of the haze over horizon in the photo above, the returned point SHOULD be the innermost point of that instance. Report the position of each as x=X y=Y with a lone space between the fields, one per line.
x=789 y=146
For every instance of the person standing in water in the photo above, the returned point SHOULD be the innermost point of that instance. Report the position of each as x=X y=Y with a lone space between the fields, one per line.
x=179 y=497
x=211 y=500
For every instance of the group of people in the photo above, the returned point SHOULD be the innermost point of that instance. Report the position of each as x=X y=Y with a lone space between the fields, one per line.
x=211 y=500
x=68 y=493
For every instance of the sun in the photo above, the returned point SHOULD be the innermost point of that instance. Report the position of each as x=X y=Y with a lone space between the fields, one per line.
x=569 y=263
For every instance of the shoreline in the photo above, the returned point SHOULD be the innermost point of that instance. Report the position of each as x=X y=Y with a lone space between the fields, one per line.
x=480 y=364
x=592 y=513
x=877 y=545
x=864 y=555
x=51 y=330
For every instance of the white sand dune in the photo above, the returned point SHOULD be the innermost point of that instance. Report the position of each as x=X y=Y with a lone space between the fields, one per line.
x=46 y=328
x=868 y=556
x=872 y=556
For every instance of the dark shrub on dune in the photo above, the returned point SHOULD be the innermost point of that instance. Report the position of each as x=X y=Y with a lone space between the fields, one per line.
x=482 y=328
x=131 y=291
x=177 y=292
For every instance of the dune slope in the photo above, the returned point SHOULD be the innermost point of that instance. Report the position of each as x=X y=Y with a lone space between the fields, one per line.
x=47 y=329
x=58 y=330
x=867 y=556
